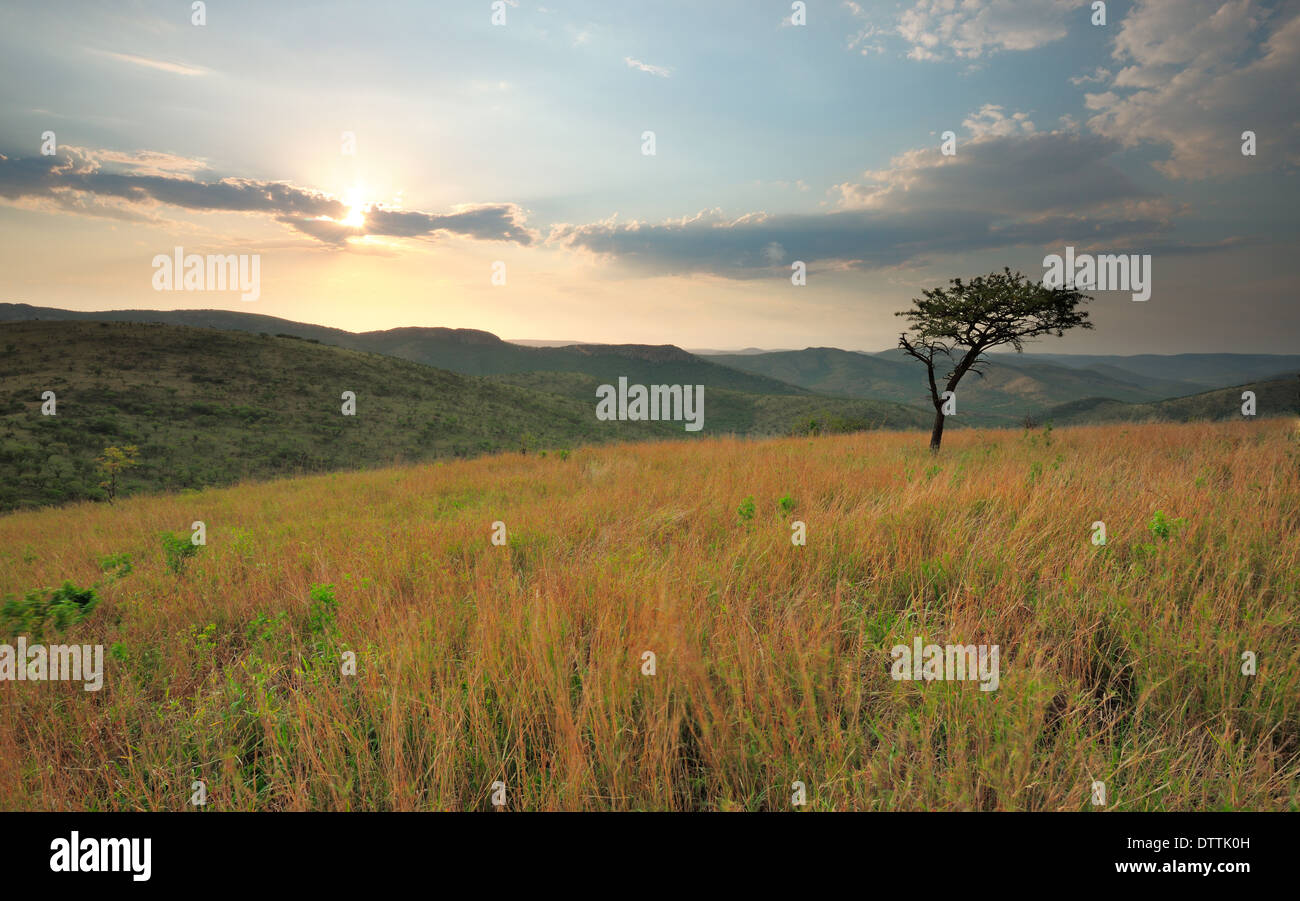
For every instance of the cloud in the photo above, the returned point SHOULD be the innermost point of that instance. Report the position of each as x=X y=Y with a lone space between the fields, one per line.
x=866 y=40
x=482 y=222
x=89 y=182
x=745 y=247
x=161 y=65
x=646 y=67
x=944 y=29
x=327 y=230
x=990 y=120
x=1196 y=74
x=1000 y=190
x=1009 y=174
x=150 y=162
x=1100 y=74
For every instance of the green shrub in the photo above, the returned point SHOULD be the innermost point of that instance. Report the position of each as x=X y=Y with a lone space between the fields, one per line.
x=116 y=565
x=1163 y=527
x=176 y=550
x=65 y=605
x=322 y=617
x=263 y=627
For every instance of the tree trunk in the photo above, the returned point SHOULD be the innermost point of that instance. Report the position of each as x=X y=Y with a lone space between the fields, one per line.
x=936 y=437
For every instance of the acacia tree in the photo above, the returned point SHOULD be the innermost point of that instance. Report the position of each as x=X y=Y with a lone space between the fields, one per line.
x=959 y=323
x=112 y=463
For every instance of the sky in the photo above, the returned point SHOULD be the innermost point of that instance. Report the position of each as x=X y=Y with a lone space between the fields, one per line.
x=391 y=164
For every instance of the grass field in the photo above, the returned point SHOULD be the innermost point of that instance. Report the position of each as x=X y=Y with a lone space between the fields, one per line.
x=522 y=663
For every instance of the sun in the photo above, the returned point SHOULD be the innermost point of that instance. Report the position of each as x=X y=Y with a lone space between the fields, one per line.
x=356 y=216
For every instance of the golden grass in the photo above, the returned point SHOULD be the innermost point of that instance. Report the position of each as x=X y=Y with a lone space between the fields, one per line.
x=523 y=663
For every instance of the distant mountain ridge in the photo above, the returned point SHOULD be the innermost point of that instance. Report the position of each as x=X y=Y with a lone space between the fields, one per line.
x=1015 y=386
x=466 y=351
x=210 y=406
x=1273 y=397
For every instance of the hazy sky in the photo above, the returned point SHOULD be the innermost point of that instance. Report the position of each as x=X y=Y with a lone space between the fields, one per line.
x=523 y=143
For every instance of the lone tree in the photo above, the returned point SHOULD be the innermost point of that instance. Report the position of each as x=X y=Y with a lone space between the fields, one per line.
x=964 y=320
x=112 y=463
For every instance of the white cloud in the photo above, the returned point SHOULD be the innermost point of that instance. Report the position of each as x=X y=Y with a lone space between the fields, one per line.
x=161 y=65
x=646 y=67
x=961 y=29
x=1197 y=73
x=999 y=191
x=1100 y=74
x=1009 y=173
x=941 y=29
x=866 y=40
x=990 y=120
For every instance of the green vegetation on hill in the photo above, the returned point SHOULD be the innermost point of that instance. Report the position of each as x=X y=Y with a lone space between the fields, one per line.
x=1203 y=370
x=753 y=414
x=467 y=351
x=1277 y=397
x=207 y=407
x=1014 y=386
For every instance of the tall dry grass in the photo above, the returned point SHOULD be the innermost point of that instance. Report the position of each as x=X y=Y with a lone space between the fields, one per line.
x=523 y=663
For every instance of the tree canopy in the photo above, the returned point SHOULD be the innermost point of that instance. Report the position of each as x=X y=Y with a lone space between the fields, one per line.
x=967 y=318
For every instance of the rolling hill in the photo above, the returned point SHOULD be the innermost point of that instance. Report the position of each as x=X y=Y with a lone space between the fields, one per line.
x=1275 y=397
x=210 y=407
x=1006 y=394
x=467 y=351
x=523 y=661
x=773 y=392
x=755 y=414
x=1204 y=370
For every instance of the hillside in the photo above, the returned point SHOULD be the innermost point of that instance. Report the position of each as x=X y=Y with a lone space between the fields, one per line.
x=524 y=663
x=1202 y=370
x=756 y=414
x=208 y=407
x=1012 y=387
x=467 y=351
x=1016 y=386
x=1277 y=397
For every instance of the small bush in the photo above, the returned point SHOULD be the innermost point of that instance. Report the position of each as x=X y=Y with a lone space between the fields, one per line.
x=1163 y=527
x=66 y=605
x=176 y=550
x=116 y=565
x=322 y=617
